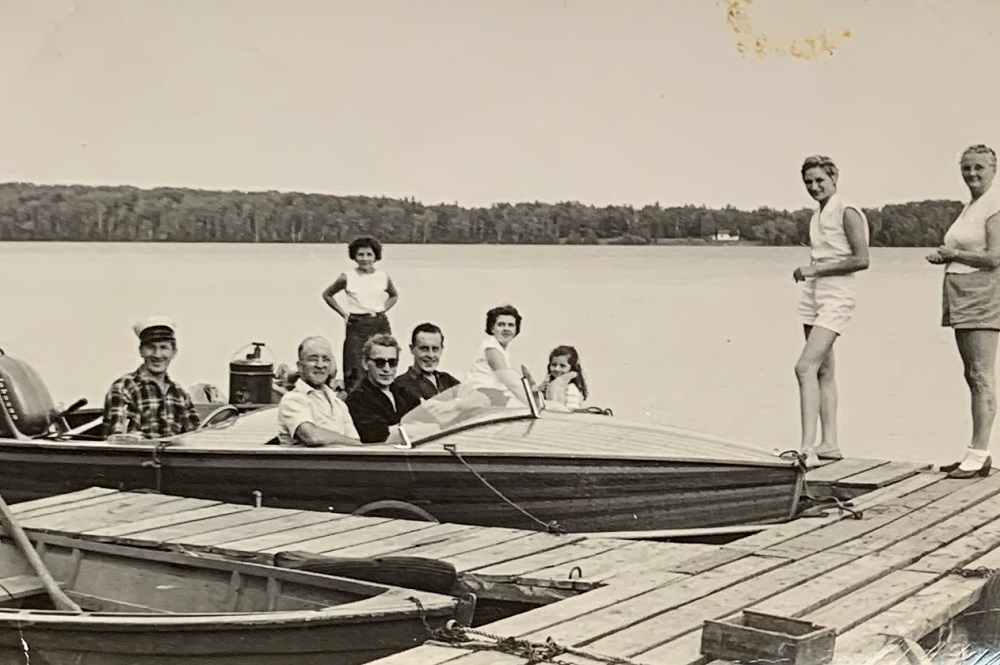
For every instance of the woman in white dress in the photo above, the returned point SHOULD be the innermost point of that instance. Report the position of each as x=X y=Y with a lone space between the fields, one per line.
x=838 y=236
x=971 y=299
x=493 y=371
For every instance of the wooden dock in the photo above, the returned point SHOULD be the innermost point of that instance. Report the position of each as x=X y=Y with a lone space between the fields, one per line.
x=920 y=554
x=493 y=563
x=914 y=550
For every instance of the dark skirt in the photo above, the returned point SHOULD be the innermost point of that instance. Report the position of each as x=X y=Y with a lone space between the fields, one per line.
x=971 y=300
x=358 y=329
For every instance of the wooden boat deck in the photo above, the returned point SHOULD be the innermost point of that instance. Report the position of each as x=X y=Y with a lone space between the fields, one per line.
x=891 y=571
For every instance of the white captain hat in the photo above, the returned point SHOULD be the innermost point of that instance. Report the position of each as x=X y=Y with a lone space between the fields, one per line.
x=155 y=329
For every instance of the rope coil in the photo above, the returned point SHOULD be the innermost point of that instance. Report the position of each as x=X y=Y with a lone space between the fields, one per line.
x=533 y=652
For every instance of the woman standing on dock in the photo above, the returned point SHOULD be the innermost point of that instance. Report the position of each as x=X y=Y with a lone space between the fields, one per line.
x=370 y=294
x=838 y=236
x=971 y=299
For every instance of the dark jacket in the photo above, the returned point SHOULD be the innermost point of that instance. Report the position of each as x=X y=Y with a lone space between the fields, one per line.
x=373 y=413
x=416 y=386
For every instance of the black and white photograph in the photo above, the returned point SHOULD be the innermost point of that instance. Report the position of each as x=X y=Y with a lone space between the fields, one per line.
x=499 y=332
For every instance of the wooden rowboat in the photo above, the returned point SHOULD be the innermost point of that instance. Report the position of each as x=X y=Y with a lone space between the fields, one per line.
x=463 y=462
x=154 y=607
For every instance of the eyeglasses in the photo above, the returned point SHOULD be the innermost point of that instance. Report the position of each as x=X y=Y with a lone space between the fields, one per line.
x=382 y=362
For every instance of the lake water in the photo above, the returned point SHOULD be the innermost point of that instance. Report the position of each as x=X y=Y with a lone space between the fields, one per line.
x=699 y=337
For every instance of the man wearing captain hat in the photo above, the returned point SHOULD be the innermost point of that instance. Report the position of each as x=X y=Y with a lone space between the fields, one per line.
x=146 y=403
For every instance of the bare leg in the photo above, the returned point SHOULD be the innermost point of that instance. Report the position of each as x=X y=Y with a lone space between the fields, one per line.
x=978 y=349
x=828 y=405
x=819 y=343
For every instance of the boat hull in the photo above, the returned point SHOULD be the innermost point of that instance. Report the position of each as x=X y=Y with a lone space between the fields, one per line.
x=579 y=494
x=167 y=608
x=308 y=644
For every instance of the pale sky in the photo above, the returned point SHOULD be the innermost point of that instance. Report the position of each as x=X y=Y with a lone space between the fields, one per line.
x=478 y=101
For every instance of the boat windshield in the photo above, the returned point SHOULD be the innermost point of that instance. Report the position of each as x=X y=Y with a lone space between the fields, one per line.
x=464 y=405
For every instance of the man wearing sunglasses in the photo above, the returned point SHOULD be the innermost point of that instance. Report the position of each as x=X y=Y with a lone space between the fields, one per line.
x=376 y=405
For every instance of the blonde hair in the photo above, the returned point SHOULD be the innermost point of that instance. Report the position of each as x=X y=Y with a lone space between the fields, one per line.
x=981 y=149
x=823 y=162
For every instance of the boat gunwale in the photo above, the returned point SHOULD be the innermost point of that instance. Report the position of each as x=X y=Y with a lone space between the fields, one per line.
x=368 y=592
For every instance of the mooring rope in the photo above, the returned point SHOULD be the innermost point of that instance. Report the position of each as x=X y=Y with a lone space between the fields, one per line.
x=535 y=652
x=800 y=460
x=550 y=527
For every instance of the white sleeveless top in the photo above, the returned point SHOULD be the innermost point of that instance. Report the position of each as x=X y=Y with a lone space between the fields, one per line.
x=968 y=231
x=366 y=292
x=827 y=235
x=481 y=375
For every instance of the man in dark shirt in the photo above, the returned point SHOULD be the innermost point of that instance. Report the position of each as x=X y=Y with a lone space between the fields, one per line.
x=376 y=405
x=423 y=380
x=146 y=403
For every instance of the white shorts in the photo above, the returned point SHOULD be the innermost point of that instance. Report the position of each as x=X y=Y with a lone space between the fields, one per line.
x=828 y=302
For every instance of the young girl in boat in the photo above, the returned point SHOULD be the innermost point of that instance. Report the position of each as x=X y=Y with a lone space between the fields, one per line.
x=564 y=384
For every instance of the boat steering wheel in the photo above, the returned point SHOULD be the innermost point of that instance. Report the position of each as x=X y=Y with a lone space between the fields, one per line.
x=220 y=415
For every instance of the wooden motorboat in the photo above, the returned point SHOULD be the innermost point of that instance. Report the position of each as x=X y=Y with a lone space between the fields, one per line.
x=510 y=465
x=150 y=607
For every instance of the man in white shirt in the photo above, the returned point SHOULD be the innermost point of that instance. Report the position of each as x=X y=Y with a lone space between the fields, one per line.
x=311 y=414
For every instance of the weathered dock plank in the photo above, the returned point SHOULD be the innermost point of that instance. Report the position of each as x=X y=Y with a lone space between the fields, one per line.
x=173 y=518
x=101 y=514
x=188 y=528
x=338 y=537
x=61 y=499
x=434 y=535
x=834 y=471
x=247 y=530
x=637 y=556
x=883 y=475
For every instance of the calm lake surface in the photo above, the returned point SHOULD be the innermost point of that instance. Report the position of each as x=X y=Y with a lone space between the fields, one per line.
x=698 y=337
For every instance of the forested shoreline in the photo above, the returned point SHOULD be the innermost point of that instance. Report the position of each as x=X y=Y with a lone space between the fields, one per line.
x=119 y=214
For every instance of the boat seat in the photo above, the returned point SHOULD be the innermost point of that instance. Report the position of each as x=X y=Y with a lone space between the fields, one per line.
x=26 y=407
x=20 y=586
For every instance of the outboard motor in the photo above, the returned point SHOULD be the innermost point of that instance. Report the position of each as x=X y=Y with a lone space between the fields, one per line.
x=250 y=376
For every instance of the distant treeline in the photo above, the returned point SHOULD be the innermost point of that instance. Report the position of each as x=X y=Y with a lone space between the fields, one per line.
x=42 y=212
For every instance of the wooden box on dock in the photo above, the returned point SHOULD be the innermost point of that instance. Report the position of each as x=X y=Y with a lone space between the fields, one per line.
x=759 y=637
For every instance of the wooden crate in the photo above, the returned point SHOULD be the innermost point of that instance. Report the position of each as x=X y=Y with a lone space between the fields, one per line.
x=759 y=637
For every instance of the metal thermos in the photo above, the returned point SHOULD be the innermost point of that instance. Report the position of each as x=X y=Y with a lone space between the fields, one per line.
x=250 y=376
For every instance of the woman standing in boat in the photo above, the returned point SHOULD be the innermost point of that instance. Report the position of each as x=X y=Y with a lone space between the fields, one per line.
x=370 y=294
x=492 y=372
x=838 y=236
x=971 y=299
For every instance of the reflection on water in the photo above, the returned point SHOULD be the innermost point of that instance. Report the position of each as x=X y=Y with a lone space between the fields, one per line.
x=699 y=337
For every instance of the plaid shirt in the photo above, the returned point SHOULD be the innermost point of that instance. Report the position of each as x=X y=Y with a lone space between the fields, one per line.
x=135 y=404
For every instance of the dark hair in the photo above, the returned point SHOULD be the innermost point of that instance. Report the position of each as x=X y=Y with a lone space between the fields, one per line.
x=503 y=310
x=365 y=241
x=574 y=365
x=381 y=339
x=425 y=328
